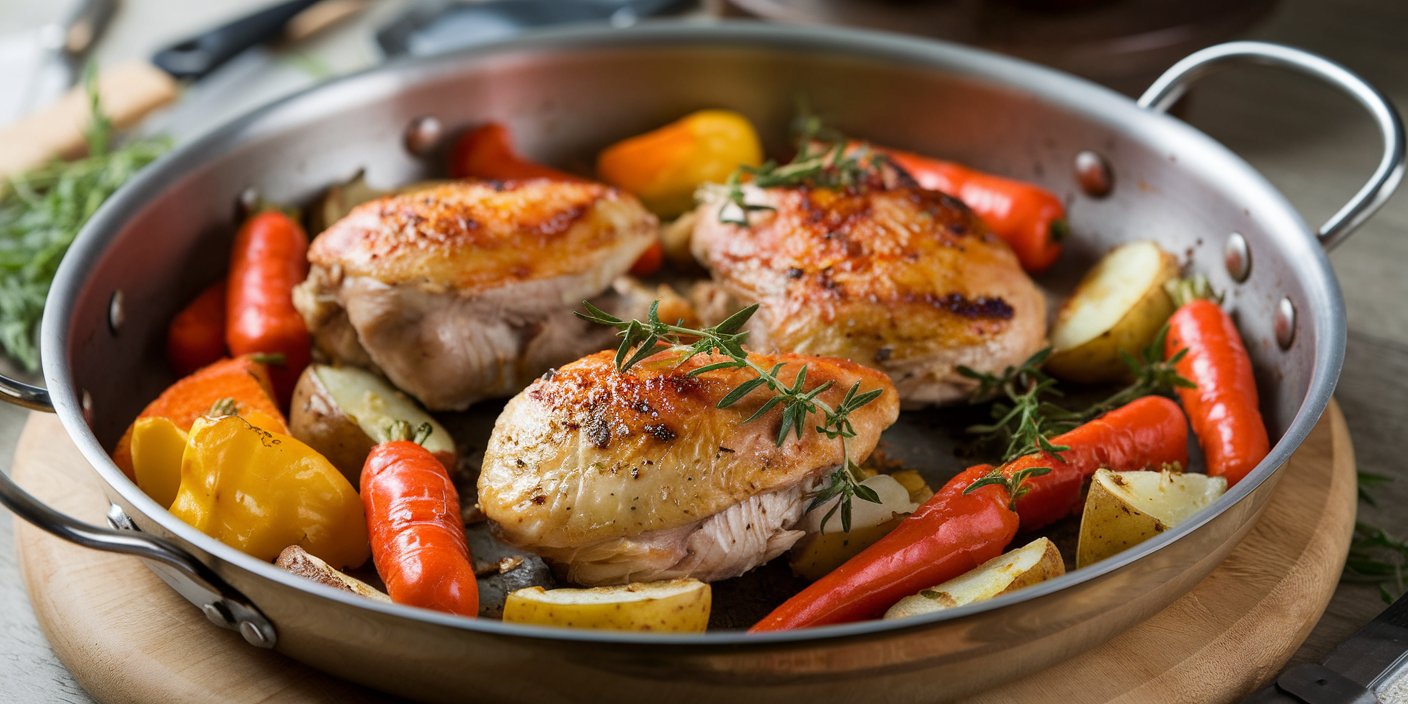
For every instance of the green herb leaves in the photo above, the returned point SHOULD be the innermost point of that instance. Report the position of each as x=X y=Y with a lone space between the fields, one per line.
x=642 y=339
x=40 y=214
x=1015 y=485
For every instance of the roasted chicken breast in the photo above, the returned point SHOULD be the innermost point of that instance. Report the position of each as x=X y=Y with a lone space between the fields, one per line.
x=635 y=476
x=896 y=277
x=465 y=290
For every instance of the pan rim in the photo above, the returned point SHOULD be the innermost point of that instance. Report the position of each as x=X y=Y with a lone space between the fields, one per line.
x=1325 y=306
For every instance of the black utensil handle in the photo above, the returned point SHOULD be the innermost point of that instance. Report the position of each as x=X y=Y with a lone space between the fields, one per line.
x=199 y=55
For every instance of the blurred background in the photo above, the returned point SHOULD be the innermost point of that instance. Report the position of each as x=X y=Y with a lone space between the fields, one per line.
x=183 y=76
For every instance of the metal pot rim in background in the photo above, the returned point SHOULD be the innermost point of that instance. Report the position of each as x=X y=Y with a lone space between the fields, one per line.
x=1325 y=307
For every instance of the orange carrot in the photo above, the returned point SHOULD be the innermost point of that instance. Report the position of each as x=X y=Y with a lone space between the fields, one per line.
x=270 y=258
x=196 y=336
x=1223 y=406
x=417 y=534
x=243 y=379
x=650 y=260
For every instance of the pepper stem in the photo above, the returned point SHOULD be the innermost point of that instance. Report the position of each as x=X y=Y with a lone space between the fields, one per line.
x=223 y=407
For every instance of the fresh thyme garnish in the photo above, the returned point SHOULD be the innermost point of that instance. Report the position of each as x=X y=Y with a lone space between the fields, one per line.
x=825 y=159
x=1027 y=418
x=642 y=339
x=41 y=212
x=1375 y=557
x=1015 y=485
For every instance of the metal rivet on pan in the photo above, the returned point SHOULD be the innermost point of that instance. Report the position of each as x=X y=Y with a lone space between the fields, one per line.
x=85 y=402
x=245 y=204
x=117 y=518
x=116 y=315
x=254 y=635
x=1238 y=257
x=1093 y=174
x=1285 y=324
x=423 y=134
x=218 y=614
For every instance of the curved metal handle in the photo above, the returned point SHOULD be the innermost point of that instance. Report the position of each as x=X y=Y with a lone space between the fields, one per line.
x=190 y=577
x=1175 y=81
x=21 y=394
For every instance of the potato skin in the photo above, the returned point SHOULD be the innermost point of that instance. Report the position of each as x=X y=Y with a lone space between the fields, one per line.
x=819 y=553
x=1098 y=359
x=990 y=579
x=1110 y=524
x=683 y=607
x=316 y=419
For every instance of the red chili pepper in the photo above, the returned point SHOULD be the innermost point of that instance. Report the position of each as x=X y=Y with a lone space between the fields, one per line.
x=196 y=336
x=1146 y=432
x=952 y=533
x=416 y=533
x=1029 y=218
x=487 y=152
x=958 y=529
x=269 y=259
x=1223 y=407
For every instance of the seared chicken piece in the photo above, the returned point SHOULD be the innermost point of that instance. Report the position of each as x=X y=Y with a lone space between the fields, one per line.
x=619 y=477
x=465 y=290
x=899 y=278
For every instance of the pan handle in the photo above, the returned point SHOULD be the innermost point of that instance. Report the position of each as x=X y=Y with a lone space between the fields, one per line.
x=1174 y=82
x=190 y=577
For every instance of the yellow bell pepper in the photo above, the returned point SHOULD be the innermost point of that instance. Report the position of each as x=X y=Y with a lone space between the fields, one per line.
x=157 y=447
x=261 y=491
x=664 y=167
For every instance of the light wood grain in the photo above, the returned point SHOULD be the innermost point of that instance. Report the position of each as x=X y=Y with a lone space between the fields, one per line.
x=1226 y=637
x=128 y=92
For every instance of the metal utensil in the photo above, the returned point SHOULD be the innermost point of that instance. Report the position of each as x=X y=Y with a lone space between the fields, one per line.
x=62 y=49
x=1368 y=667
x=445 y=25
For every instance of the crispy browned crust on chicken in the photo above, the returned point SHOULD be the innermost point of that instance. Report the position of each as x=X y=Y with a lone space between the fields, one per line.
x=635 y=475
x=464 y=291
x=904 y=279
x=472 y=236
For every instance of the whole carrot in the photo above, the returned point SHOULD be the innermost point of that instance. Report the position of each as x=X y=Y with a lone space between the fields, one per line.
x=952 y=533
x=1029 y=218
x=1223 y=405
x=1147 y=432
x=196 y=336
x=270 y=258
x=487 y=152
x=413 y=521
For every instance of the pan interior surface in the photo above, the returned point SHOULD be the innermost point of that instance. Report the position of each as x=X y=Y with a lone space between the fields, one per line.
x=568 y=93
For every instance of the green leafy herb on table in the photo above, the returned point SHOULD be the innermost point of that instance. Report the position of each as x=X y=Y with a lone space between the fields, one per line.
x=43 y=210
x=642 y=339
x=1375 y=556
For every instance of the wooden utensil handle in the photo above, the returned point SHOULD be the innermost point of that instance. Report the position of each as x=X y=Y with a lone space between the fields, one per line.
x=128 y=92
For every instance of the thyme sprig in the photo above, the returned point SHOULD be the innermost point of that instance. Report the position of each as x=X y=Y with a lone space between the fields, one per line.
x=1376 y=557
x=824 y=159
x=1027 y=416
x=799 y=404
x=1015 y=485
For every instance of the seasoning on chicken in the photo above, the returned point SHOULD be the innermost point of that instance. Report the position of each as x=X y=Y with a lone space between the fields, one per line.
x=638 y=476
x=893 y=276
x=465 y=290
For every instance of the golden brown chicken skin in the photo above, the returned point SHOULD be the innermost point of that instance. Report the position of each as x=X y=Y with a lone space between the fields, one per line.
x=464 y=290
x=904 y=279
x=638 y=475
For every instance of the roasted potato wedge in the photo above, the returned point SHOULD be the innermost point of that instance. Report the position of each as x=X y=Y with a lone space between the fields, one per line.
x=343 y=411
x=1119 y=306
x=1124 y=509
x=1034 y=562
x=305 y=564
x=824 y=550
x=675 y=606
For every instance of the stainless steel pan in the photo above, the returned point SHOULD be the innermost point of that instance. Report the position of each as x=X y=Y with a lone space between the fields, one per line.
x=567 y=93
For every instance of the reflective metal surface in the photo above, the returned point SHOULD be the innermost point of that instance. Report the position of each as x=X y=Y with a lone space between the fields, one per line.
x=566 y=94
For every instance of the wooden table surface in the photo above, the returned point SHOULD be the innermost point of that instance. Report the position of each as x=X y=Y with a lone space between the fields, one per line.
x=1312 y=143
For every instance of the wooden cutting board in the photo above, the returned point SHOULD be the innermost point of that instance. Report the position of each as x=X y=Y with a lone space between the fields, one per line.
x=127 y=638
